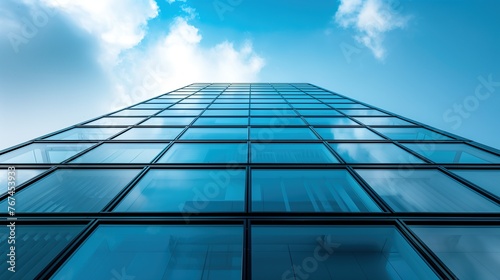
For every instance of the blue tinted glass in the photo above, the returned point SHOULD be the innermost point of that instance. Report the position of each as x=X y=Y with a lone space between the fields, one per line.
x=303 y=100
x=206 y=153
x=330 y=121
x=362 y=112
x=228 y=112
x=188 y=191
x=196 y=100
x=157 y=252
x=411 y=133
x=215 y=133
x=340 y=133
x=453 y=153
x=471 y=252
x=130 y=112
x=180 y=113
x=20 y=175
x=382 y=121
x=229 y=106
x=308 y=191
x=334 y=252
x=273 y=113
x=169 y=121
x=267 y=100
x=189 y=106
x=151 y=106
x=486 y=179
x=122 y=153
x=43 y=153
x=146 y=133
x=221 y=121
x=310 y=106
x=167 y=102
x=270 y=106
x=348 y=106
x=425 y=191
x=291 y=153
x=374 y=153
x=279 y=133
x=331 y=112
x=276 y=122
x=36 y=246
x=116 y=121
x=72 y=190
x=100 y=133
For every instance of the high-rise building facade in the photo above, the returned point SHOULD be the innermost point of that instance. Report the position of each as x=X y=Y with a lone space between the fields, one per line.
x=250 y=181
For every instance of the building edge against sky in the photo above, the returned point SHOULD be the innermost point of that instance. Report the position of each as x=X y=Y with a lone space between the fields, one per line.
x=299 y=181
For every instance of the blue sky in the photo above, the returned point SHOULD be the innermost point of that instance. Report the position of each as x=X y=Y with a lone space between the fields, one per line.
x=63 y=62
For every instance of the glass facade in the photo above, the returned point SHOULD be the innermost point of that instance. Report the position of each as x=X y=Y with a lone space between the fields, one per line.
x=251 y=181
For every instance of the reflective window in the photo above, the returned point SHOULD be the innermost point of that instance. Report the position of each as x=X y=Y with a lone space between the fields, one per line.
x=21 y=176
x=180 y=113
x=221 y=121
x=486 y=179
x=276 y=122
x=291 y=153
x=348 y=106
x=189 y=106
x=151 y=106
x=411 y=133
x=215 y=133
x=206 y=153
x=146 y=133
x=362 y=112
x=116 y=121
x=43 y=153
x=130 y=112
x=99 y=133
x=270 y=106
x=122 y=153
x=228 y=112
x=425 y=191
x=157 y=252
x=342 y=133
x=453 y=153
x=330 y=121
x=330 y=112
x=229 y=106
x=382 y=121
x=310 y=106
x=72 y=190
x=273 y=113
x=36 y=246
x=279 y=133
x=374 y=153
x=188 y=191
x=470 y=252
x=334 y=252
x=169 y=121
x=308 y=191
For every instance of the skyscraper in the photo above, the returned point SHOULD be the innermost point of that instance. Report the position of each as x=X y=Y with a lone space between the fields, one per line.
x=250 y=181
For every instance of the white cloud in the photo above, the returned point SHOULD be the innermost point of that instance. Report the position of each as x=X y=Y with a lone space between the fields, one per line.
x=371 y=19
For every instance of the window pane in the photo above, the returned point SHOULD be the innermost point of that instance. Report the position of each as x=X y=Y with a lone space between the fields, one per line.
x=471 y=252
x=331 y=112
x=279 y=133
x=276 y=122
x=334 y=252
x=229 y=106
x=188 y=191
x=215 y=133
x=143 y=133
x=157 y=252
x=72 y=190
x=425 y=191
x=43 y=153
x=36 y=246
x=151 y=106
x=362 y=112
x=308 y=191
x=273 y=113
x=382 y=121
x=411 y=133
x=373 y=153
x=348 y=106
x=347 y=134
x=169 y=121
x=179 y=113
x=122 y=153
x=486 y=179
x=86 y=134
x=221 y=121
x=116 y=121
x=206 y=153
x=189 y=106
x=330 y=121
x=130 y=112
x=310 y=106
x=22 y=175
x=225 y=113
x=270 y=106
x=453 y=153
x=291 y=153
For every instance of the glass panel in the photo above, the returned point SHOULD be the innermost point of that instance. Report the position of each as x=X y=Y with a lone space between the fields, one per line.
x=347 y=134
x=188 y=191
x=273 y=113
x=43 y=153
x=215 y=133
x=151 y=106
x=221 y=121
x=319 y=112
x=382 y=121
x=453 y=153
x=72 y=190
x=374 y=153
x=308 y=191
x=411 y=133
x=143 y=133
x=486 y=179
x=334 y=252
x=116 y=121
x=279 y=133
x=157 y=252
x=310 y=106
x=330 y=121
x=86 y=134
x=425 y=191
x=36 y=246
x=122 y=153
x=21 y=176
x=189 y=106
x=276 y=122
x=129 y=112
x=229 y=106
x=471 y=252
x=226 y=113
x=270 y=106
x=179 y=113
x=168 y=121
x=348 y=106
x=206 y=153
x=362 y=112
x=291 y=153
